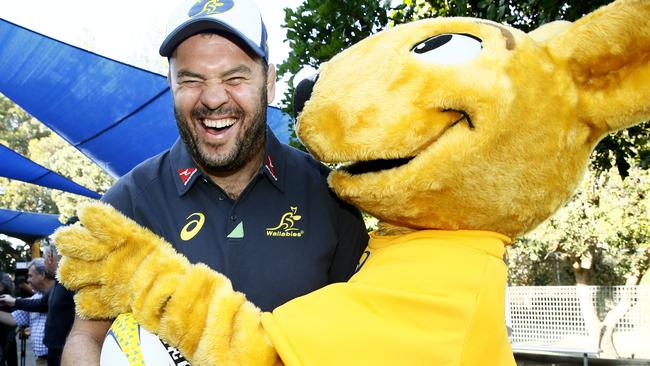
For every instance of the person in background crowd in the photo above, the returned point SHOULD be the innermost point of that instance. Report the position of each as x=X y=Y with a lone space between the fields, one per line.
x=8 y=348
x=58 y=303
x=24 y=289
x=41 y=281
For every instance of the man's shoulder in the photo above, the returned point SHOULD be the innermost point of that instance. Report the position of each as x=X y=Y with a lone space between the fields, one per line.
x=138 y=183
x=143 y=174
x=303 y=167
x=299 y=161
x=147 y=171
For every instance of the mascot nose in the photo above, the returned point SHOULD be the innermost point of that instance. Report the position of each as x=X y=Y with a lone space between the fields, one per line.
x=303 y=93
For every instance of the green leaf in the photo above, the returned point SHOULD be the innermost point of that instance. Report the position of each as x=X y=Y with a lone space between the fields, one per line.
x=492 y=12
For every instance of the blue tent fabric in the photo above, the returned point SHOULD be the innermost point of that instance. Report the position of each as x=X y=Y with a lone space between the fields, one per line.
x=279 y=123
x=16 y=166
x=26 y=225
x=116 y=114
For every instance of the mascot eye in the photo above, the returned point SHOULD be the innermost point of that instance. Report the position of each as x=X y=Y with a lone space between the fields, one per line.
x=448 y=49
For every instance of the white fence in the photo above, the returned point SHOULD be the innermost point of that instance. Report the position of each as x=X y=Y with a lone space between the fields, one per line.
x=571 y=318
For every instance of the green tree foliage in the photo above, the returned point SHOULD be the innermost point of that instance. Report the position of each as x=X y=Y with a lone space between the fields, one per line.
x=9 y=254
x=15 y=195
x=56 y=154
x=27 y=136
x=319 y=29
x=633 y=142
x=530 y=263
x=525 y=15
x=17 y=127
x=602 y=234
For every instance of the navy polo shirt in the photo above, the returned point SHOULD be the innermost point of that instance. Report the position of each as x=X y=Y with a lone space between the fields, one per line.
x=285 y=236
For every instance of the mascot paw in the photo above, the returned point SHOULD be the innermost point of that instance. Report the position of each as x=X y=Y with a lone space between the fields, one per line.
x=101 y=256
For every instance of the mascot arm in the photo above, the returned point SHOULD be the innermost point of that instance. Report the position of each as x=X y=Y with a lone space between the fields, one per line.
x=116 y=266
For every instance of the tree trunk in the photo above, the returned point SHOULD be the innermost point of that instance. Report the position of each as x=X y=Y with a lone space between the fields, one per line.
x=611 y=319
x=593 y=324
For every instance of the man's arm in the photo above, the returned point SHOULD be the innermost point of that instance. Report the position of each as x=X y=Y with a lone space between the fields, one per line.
x=7 y=319
x=352 y=239
x=84 y=344
x=32 y=305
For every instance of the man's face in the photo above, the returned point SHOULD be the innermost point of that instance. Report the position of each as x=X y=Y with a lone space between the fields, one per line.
x=51 y=263
x=220 y=98
x=35 y=279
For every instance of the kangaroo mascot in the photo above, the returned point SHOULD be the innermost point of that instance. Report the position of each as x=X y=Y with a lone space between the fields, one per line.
x=458 y=134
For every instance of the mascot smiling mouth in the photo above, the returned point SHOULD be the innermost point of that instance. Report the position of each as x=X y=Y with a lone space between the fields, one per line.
x=374 y=166
x=377 y=165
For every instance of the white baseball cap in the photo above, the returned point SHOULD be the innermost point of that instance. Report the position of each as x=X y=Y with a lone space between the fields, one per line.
x=240 y=18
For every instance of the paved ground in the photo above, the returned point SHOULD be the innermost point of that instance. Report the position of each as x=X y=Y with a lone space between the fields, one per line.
x=29 y=355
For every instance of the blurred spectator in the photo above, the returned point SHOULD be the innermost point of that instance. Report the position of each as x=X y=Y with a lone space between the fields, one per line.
x=38 y=278
x=58 y=302
x=8 y=349
x=24 y=289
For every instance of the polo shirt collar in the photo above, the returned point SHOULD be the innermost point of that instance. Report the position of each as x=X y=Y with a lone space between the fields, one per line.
x=274 y=162
x=186 y=172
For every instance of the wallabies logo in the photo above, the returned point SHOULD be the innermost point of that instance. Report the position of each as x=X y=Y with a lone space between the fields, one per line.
x=286 y=227
x=209 y=7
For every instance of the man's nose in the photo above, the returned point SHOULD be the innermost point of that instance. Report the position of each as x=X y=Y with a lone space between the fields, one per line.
x=214 y=95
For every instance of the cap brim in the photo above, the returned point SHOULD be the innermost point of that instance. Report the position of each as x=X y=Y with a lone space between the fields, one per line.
x=198 y=25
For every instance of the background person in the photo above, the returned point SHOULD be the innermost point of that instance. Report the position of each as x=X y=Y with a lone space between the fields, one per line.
x=58 y=303
x=41 y=281
x=8 y=348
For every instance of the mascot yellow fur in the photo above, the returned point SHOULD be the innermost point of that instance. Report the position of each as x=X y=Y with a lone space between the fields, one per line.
x=462 y=134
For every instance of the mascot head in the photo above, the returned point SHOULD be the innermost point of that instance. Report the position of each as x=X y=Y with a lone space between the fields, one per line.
x=462 y=123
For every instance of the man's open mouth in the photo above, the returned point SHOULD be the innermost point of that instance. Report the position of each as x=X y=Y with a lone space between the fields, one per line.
x=373 y=166
x=217 y=125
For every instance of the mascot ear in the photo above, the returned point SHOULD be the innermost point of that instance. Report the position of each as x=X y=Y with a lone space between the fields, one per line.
x=608 y=55
x=303 y=93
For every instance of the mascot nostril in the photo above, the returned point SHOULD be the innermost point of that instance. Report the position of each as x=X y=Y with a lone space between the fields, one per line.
x=303 y=93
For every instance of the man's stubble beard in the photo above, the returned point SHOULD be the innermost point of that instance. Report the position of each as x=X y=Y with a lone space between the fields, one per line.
x=244 y=149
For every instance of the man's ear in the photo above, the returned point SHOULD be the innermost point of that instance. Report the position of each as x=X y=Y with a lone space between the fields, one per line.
x=169 y=74
x=608 y=55
x=270 y=84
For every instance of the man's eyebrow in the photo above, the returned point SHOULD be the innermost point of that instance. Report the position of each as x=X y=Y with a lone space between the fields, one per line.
x=241 y=69
x=188 y=74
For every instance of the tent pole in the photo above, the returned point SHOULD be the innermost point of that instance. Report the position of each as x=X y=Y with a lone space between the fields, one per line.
x=36 y=249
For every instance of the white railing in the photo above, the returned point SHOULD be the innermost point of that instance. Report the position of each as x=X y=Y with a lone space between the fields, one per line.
x=570 y=318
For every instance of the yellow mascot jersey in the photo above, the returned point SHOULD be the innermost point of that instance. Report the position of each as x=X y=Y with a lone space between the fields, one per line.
x=431 y=297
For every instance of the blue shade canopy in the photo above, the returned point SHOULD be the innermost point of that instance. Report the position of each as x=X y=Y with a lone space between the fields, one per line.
x=279 y=123
x=116 y=114
x=16 y=166
x=26 y=225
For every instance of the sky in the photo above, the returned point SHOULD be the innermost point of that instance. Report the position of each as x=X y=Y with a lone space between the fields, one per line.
x=127 y=30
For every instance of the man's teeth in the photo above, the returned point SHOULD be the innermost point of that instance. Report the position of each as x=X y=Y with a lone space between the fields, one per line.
x=219 y=123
